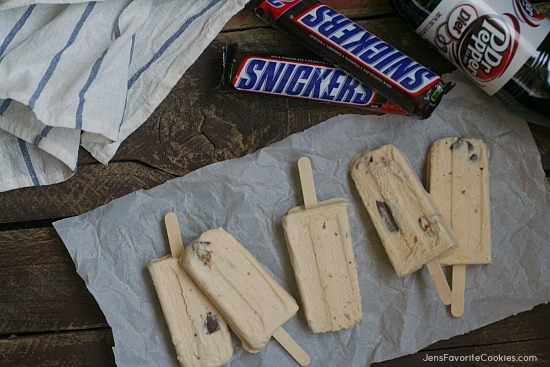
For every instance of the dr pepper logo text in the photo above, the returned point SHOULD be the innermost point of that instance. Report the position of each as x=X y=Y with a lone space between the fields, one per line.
x=483 y=46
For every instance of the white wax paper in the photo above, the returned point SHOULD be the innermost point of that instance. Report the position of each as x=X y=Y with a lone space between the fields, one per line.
x=112 y=245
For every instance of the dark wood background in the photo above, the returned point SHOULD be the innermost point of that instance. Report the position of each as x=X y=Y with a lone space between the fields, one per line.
x=47 y=316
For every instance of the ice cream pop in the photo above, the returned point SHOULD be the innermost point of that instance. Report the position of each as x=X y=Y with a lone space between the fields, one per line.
x=199 y=334
x=319 y=243
x=458 y=172
x=410 y=226
x=254 y=305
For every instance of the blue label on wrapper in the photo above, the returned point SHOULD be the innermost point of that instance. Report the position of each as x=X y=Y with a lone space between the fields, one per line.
x=369 y=51
x=298 y=79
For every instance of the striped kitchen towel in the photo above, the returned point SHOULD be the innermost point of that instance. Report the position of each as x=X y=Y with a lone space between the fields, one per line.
x=76 y=73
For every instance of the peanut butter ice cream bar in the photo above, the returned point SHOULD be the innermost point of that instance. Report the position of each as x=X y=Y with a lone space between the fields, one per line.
x=409 y=224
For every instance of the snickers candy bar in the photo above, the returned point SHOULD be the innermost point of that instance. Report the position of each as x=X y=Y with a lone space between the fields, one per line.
x=343 y=43
x=299 y=78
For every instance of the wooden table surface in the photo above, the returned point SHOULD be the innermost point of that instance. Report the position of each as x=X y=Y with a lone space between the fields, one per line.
x=48 y=317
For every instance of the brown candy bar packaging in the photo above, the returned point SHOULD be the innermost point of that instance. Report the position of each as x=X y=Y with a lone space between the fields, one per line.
x=343 y=43
x=299 y=78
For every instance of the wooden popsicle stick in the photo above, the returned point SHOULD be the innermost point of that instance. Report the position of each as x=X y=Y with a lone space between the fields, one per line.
x=440 y=282
x=292 y=347
x=174 y=234
x=308 y=184
x=459 y=287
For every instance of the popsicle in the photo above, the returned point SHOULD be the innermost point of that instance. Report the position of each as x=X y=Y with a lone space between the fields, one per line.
x=199 y=334
x=321 y=253
x=251 y=301
x=458 y=172
x=409 y=224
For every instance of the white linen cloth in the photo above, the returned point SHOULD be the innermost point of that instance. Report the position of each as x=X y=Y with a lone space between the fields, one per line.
x=89 y=73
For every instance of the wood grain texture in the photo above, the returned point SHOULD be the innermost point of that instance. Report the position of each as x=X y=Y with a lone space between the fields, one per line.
x=93 y=186
x=541 y=134
x=527 y=325
x=351 y=8
x=519 y=349
x=90 y=348
x=39 y=288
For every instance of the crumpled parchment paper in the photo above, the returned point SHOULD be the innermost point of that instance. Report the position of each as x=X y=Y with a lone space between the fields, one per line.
x=112 y=245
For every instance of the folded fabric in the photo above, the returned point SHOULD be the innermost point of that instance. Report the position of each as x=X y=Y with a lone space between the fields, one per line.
x=9 y=4
x=90 y=73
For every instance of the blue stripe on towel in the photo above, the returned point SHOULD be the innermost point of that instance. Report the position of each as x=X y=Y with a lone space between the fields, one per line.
x=57 y=57
x=169 y=42
x=82 y=100
x=132 y=49
x=117 y=31
x=28 y=162
x=16 y=28
x=5 y=106
x=127 y=85
x=38 y=138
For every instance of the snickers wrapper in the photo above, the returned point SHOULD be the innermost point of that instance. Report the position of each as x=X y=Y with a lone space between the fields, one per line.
x=343 y=43
x=299 y=78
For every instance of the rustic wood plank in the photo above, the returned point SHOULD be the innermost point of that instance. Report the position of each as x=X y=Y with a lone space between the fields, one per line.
x=92 y=186
x=543 y=7
x=93 y=348
x=351 y=8
x=90 y=348
x=527 y=325
x=537 y=348
x=354 y=9
x=541 y=134
x=39 y=287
